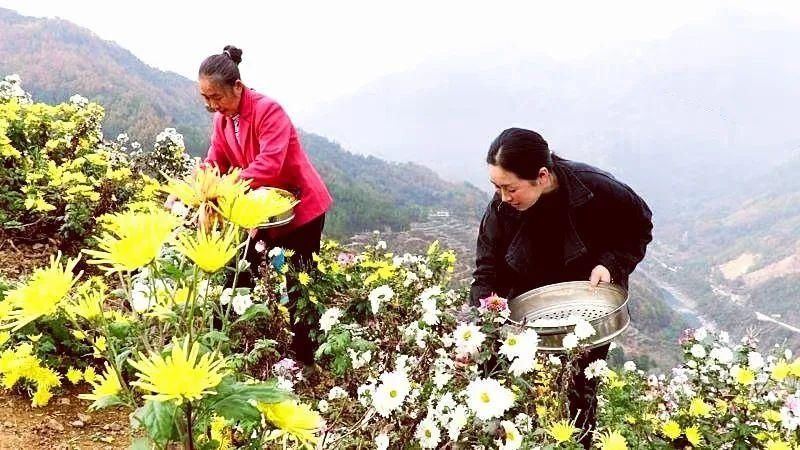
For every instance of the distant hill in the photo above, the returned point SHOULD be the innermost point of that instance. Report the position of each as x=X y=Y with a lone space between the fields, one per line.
x=740 y=256
x=370 y=193
x=679 y=119
x=57 y=59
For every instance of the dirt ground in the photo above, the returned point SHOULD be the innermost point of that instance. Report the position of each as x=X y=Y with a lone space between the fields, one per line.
x=64 y=424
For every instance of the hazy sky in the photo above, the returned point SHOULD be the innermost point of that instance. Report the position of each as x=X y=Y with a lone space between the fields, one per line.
x=305 y=52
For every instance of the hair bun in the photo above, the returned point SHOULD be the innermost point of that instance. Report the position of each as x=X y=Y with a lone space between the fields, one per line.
x=233 y=53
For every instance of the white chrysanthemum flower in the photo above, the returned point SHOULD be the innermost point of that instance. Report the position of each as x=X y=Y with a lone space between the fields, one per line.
x=285 y=383
x=379 y=295
x=329 y=318
x=440 y=379
x=140 y=298
x=522 y=365
x=274 y=251
x=755 y=361
x=488 y=399
x=598 y=368
x=382 y=442
x=468 y=338
x=337 y=392
x=359 y=359
x=323 y=406
x=241 y=303
x=411 y=278
x=513 y=439
x=391 y=393
x=700 y=334
x=458 y=418
x=570 y=341
x=226 y=296
x=583 y=329
x=433 y=291
x=629 y=366
x=722 y=354
x=79 y=101
x=445 y=404
x=430 y=312
x=428 y=433
x=520 y=345
x=698 y=351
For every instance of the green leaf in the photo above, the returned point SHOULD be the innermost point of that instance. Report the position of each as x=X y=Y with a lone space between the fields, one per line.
x=122 y=357
x=159 y=420
x=119 y=329
x=142 y=443
x=105 y=402
x=232 y=400
x=255 y=310
x=212 y=338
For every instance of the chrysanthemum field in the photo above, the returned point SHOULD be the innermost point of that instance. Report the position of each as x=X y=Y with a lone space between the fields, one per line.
x=144 y=314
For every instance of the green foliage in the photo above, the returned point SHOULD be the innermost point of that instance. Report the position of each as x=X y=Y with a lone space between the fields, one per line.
x=58 y=174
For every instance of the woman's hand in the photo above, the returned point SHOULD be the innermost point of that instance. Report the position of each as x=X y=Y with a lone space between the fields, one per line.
x=599 y=273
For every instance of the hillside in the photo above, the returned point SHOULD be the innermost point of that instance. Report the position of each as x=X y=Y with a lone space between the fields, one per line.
x=57 y=59
x=370 y=193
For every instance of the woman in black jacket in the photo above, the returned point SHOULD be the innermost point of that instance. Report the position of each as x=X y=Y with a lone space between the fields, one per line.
x=553 y=220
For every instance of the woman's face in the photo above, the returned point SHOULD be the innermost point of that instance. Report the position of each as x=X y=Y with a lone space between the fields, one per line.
x=519 y=193
x=219 y=97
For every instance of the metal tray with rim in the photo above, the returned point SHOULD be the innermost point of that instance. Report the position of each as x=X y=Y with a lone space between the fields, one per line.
x=281 y=219
x=605 y=307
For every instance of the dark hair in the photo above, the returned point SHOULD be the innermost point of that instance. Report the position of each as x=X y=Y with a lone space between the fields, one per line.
x=520 y=151
x=224 y=67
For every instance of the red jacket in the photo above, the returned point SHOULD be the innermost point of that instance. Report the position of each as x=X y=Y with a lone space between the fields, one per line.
x=270 y=154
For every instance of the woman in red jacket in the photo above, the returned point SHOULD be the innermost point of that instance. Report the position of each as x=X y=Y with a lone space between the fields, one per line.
x=252 y=132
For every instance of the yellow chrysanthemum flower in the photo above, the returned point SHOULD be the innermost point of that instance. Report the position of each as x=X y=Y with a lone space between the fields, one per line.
x=135 y=240
x=106 y=385
x=205 y=184
x=297 y=420
x=91 y=295
x=89 y=374
x=100 y=345
x=220 y=432
x=181 y=375
x=4 y=337
x=41 y=397
x=693 y=435
x=613 y=441
x=562 y=431
x=745 y=376
x=19 y=363
x=699 y=408
x=771 y=415
x=671 y=429
x=210 y=251
x=303 y=278
x=41 y=295
x=795 y=367
x=777 y=445
x=781 y=370
x=253 y=208
x=74 y=375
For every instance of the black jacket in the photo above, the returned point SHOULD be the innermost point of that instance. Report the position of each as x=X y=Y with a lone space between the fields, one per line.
x=604 y=222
